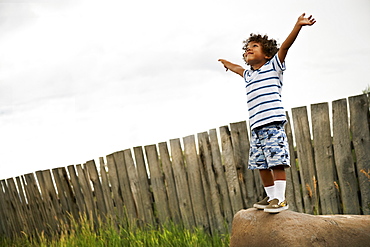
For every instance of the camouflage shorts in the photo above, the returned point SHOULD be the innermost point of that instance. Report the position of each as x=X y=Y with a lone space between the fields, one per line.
x=268 y=147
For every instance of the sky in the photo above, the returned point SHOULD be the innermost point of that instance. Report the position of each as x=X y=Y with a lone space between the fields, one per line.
x=85 y=78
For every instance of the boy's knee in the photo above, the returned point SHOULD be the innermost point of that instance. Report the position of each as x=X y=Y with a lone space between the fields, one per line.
x=280 y=167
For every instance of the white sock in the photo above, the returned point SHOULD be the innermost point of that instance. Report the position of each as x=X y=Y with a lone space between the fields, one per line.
x=270 y=191
x=280 y=186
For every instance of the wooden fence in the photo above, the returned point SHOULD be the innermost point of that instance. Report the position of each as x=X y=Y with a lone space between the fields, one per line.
x=201 y=180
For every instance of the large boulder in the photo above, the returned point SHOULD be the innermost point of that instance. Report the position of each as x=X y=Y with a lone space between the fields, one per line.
x=254 y=227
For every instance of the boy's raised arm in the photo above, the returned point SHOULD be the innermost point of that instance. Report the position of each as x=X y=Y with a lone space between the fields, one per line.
x=302 y=21
x=233 y=67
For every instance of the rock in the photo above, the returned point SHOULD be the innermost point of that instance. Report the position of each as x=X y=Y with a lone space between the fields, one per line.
x=254 y=227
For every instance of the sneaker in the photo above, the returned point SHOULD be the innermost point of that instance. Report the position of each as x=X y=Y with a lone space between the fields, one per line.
x=276 y=207
x=261 y=204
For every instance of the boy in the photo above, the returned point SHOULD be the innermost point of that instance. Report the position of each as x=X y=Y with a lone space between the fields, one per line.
x=269 y=151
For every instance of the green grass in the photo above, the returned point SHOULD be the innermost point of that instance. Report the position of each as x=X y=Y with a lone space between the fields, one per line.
x=107 y=234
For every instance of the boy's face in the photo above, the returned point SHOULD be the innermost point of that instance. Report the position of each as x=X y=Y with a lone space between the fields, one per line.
x=254 y=55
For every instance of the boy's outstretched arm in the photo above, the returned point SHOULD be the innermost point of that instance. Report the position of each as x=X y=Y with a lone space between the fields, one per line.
x=233 y=67
x=302 y=21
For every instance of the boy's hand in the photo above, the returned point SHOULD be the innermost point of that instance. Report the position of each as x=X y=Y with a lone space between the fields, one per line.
x=302 y=21
x=223 y=61
x=233 y=67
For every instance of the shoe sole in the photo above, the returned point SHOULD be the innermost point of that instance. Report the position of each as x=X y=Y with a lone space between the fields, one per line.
x=258 y=206
x=276 y=210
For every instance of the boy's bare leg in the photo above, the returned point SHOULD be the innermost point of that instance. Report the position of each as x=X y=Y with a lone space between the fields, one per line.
x=280 y=182
x=267 y=177
x=279 y=173
x=274 y=182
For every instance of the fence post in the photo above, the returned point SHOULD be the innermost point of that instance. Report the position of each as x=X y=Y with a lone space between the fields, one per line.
x=348 y=184
x=124 y=184
x=205 y=153
x=13 y=211
x=29 y=224
x=170 y=183
x=359 y=121
x=158 y=187
x=80 y=201
x=306 y=160
x=240 y=141
x=221 y=178
x=107 y=196
x=98 y=190
x=230 y=170
x=195 y=183
x=115 y=185
x=134 y=186
x=35 y=204
x=182 y=186
x=146 y=195
x=50 y=197
x=87 y=193
x=4 y=225
x=294 y=190
x=323 y=150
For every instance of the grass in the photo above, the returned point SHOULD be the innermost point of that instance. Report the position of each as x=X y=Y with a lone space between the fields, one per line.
x=83 y=233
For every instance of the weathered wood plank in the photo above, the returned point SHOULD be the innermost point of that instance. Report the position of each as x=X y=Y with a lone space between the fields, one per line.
x=235 y=193
x=195 y=183
x=305 y=159
x=343 y=158
x=65 y=192
x=80 y=200
x=98 y=190
x=359 y=121
x=4 y=228
x=146 y=194
x=50 y=197
x=125 y=187
x=216 y=218
x=21 y=191
x=157 y=182
x=28 y=225
x=30 y=221
x=259 y=185
x=35 y=203
x=170 y=183
x=239 y=165
x=134 y=185
x=207 y=196
x=293 y=191
x=9 y=225
x=115 y=186
x=240 y=142
x=182 y=186
x=324 y=159
x=107 y=192
x=87 y=193
x=12 y=210
x=220 y=176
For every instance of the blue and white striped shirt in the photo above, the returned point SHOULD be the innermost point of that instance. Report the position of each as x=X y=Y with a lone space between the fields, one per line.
x=264 y=93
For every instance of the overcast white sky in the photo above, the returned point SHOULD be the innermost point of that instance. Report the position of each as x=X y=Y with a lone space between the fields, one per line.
x=82 y=79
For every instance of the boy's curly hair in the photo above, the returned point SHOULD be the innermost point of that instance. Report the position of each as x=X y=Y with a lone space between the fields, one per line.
x=269 y=46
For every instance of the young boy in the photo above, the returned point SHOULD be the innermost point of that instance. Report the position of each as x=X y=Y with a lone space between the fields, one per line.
x=269 y=151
